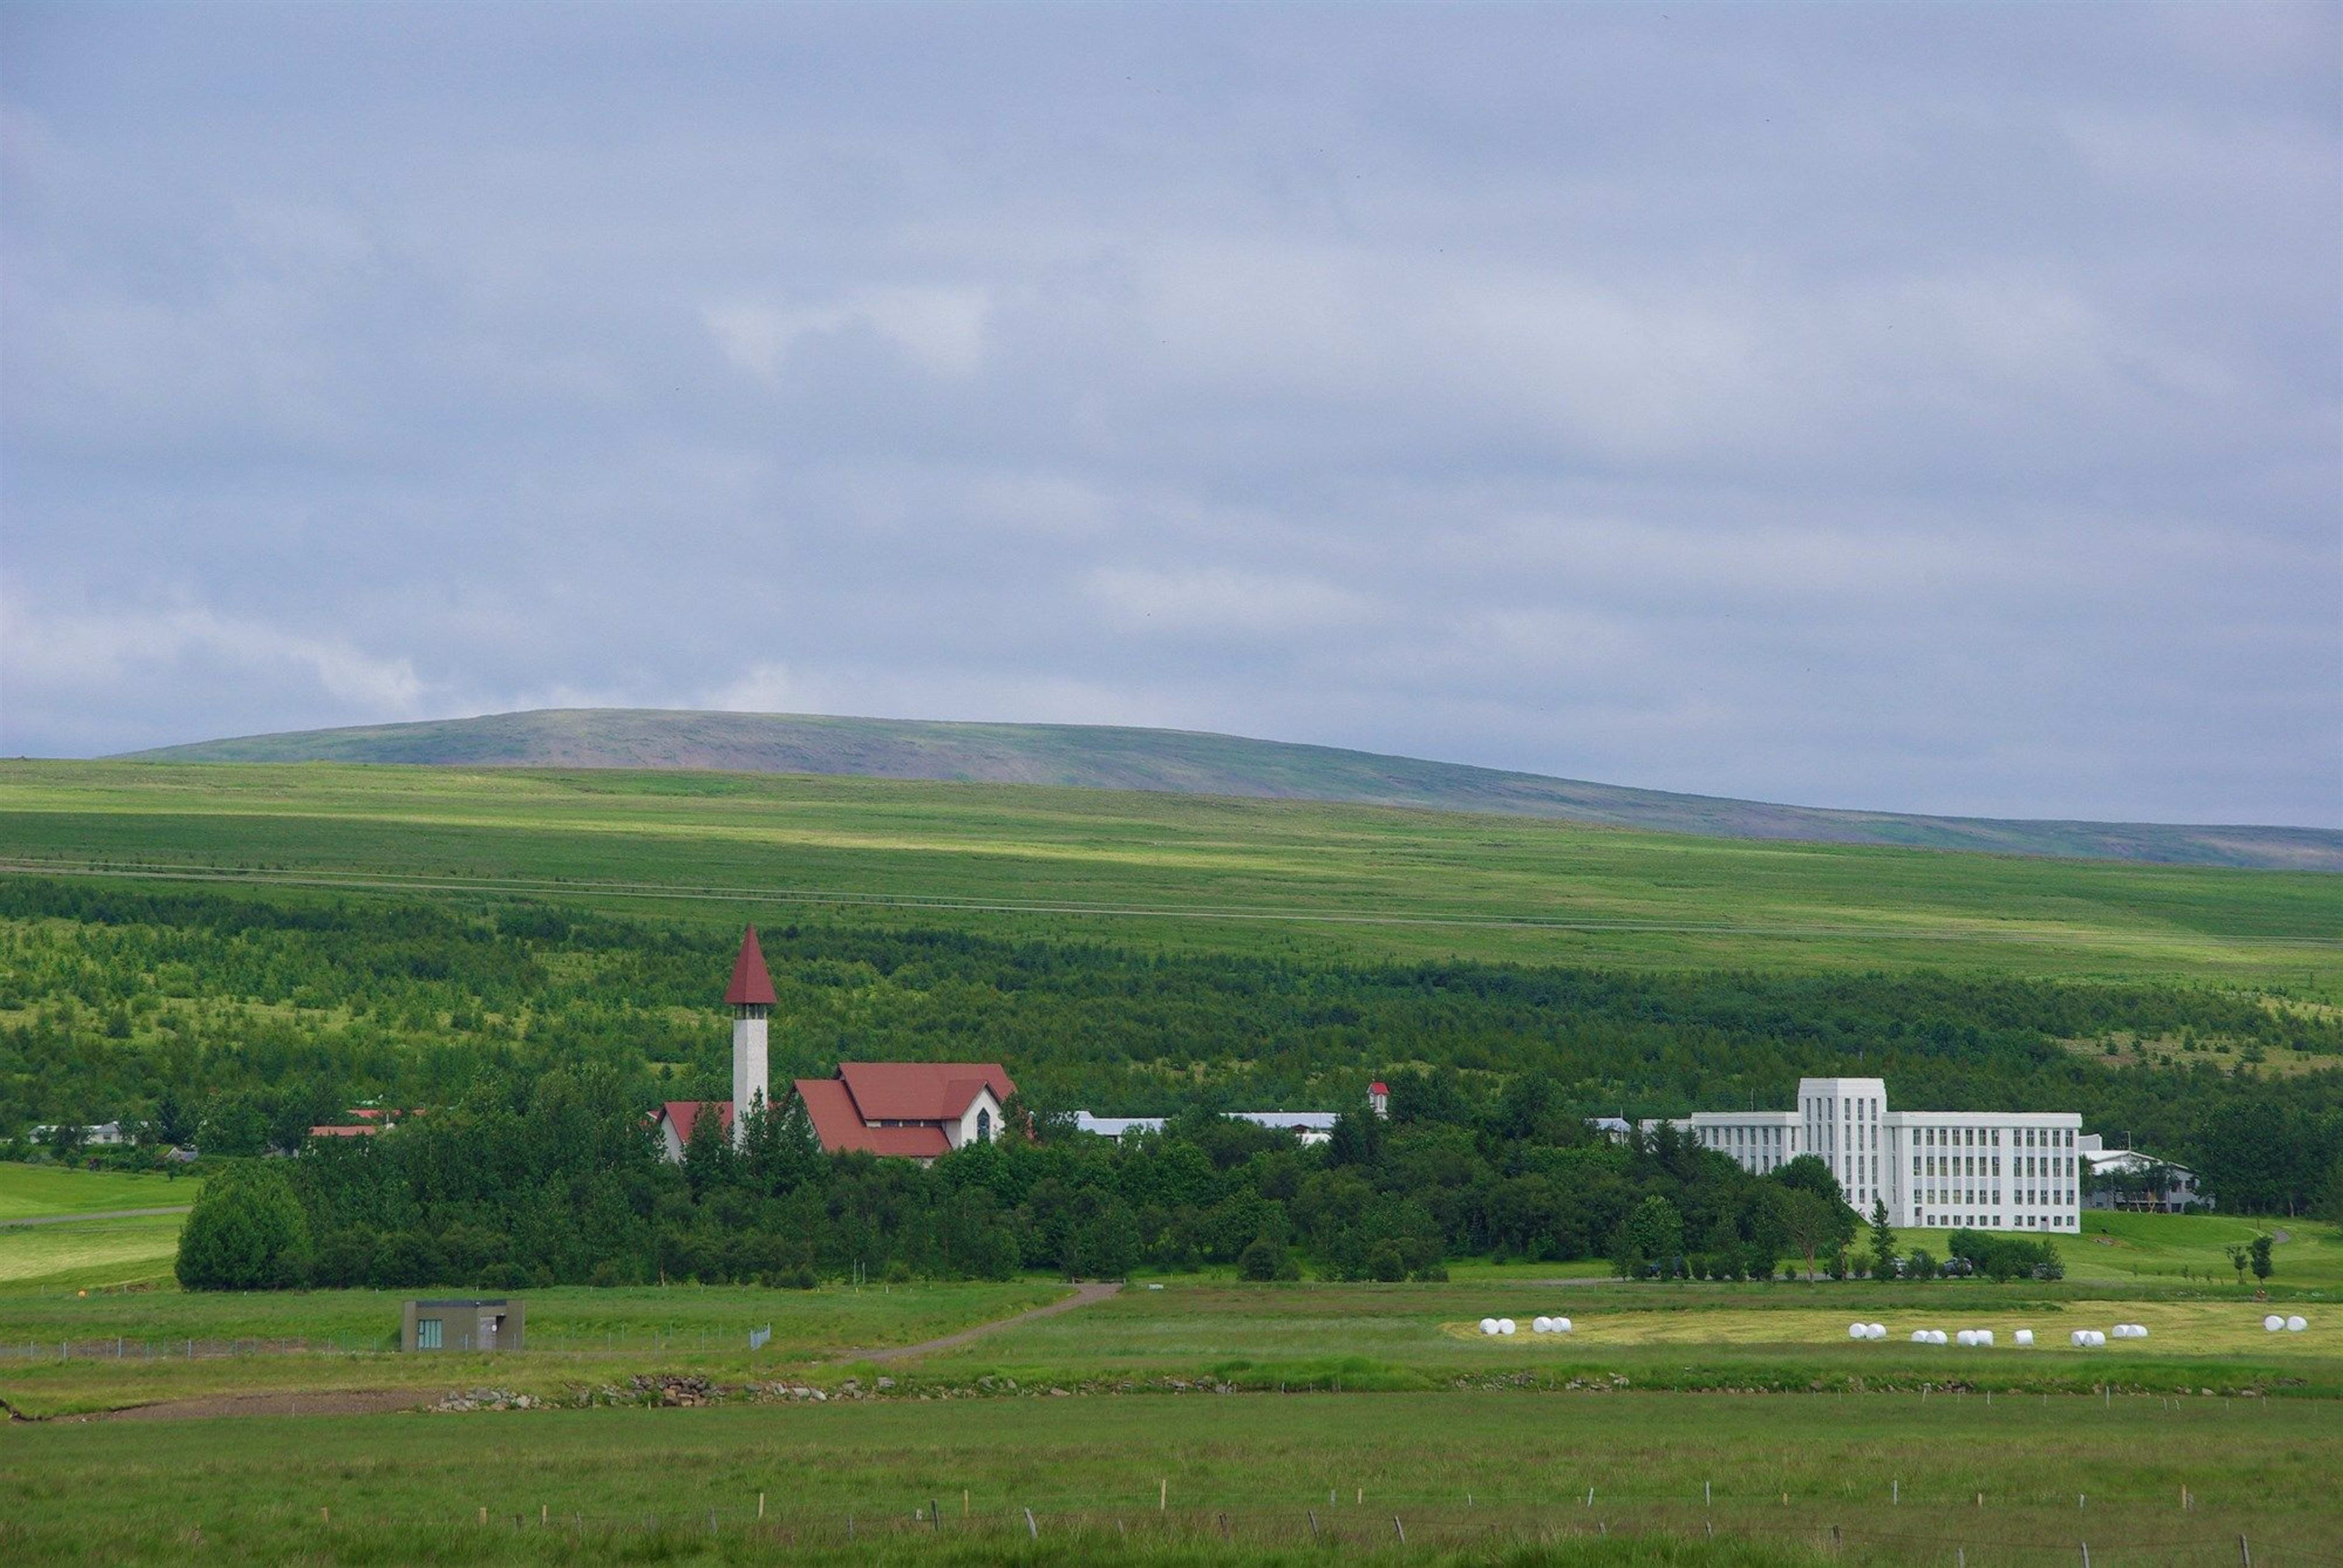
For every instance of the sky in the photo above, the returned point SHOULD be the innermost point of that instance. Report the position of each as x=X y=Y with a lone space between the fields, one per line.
x=1918 y=407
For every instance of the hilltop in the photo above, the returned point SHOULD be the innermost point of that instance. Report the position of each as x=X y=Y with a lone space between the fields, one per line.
x=1189 y=763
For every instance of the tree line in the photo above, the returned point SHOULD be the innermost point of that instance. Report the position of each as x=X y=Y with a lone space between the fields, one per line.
x=558 y=1179
x=238 y=1019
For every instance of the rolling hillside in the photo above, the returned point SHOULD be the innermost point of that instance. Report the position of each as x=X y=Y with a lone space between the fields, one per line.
x=1191 y=763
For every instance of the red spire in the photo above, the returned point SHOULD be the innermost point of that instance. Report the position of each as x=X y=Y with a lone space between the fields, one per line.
x=751 y=984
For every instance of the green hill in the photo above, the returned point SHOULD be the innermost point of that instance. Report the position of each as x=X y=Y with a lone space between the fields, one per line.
x=1187 y=763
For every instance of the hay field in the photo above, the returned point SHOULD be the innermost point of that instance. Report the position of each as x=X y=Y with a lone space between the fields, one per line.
x=28 y=1192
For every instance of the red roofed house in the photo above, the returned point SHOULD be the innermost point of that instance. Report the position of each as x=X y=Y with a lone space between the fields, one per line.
x=919 y=1110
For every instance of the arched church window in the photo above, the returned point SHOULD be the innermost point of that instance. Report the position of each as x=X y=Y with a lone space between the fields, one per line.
x=984 y=1126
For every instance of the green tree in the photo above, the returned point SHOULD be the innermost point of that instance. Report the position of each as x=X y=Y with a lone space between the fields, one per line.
x=247 y=1232
x=2259 y=1255
x=1815 y=1226
x=1883 y=1239
x=2240 y=1259
x=234 y=1126
x=1261 y=1260
x=174 y=1123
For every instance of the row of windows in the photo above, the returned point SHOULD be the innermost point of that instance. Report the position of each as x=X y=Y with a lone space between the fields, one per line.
x=1990 y=1138
x=1992 y=1222
x=1990 y=1165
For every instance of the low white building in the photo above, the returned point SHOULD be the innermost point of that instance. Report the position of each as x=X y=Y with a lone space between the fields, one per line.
x=1309 y=1126
x=1934 y=1170
x=2129 y=1178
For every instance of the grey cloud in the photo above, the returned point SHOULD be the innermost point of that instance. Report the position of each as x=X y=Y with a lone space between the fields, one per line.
x=1923 y=408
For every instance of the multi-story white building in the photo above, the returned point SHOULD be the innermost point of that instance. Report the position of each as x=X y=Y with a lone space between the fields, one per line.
x=1986 y=1170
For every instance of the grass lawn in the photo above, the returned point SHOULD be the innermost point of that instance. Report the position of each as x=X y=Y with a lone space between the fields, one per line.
x=89 y=1253
x=2128 y=1248
x=1881 y=1478
x=28 y=1192
x=1174 y=870
x=577 y=1336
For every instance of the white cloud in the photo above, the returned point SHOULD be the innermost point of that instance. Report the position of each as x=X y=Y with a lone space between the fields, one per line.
x=941 y=329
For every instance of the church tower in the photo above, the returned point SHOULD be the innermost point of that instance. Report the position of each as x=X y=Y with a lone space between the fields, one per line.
x=751 y=997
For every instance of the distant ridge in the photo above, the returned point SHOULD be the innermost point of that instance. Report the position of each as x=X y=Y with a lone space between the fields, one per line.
x=1190 y=762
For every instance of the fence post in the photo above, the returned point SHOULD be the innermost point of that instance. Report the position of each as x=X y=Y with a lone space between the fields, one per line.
x=935 y=1516
x=1399 y=1530
x=2086 y=1554
x=2244 y=1552
x=1032 y=1529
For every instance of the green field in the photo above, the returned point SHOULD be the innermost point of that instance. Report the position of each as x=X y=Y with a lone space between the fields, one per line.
x=90 y=1252
x=1487 y=1476
x=1180 y=872
x=2145 y=1247
x=28 y=1192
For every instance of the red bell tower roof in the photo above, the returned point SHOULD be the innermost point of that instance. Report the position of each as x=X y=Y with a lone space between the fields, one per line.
x=751 y=984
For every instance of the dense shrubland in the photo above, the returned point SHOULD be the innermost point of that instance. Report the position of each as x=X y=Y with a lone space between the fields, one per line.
x=242 y=1019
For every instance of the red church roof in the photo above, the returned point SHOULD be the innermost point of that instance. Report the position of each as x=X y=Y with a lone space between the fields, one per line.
x=683 y=1114
x=920 y=1091
x=751 y=984
x=839 y=1125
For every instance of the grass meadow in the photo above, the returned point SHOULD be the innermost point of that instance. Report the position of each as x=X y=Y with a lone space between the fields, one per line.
x=37 y=1191
x=1597 y=1477
x=1172 y=870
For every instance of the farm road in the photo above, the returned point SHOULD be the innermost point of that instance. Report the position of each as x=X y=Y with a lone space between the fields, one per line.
x=93 y=1214
x=1083 y=1297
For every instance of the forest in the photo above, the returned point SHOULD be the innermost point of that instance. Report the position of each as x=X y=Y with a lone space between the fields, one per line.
x=238 y=1022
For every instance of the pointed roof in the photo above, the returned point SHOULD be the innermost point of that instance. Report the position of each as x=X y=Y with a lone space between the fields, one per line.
x=751 y=984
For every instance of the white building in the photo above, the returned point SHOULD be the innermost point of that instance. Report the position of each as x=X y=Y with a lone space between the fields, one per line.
x=1309 y=1126
x=1985 y=1170
x=2153 y=1186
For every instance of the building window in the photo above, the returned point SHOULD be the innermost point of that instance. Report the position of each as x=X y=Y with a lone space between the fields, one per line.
x=983 y=1126
x=427 y=1334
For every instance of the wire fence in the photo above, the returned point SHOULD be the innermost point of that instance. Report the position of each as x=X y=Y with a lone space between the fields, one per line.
x=1958 y=1538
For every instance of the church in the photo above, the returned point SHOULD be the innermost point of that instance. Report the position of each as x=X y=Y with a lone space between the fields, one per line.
x=906 y=1110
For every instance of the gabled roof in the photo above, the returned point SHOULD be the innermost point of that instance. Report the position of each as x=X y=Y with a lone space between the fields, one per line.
x=920 y=1091
x=751 y=984
x=682 y=1114
x=839 y=1124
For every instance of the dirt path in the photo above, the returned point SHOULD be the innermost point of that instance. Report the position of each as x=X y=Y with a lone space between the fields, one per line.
x=93 y=1214
x=320 y=1402
x=1083 y=1297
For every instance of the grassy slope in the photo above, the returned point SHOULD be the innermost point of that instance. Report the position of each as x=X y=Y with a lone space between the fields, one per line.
x=90 y=1252
x=1187 y=763
x=27 y=1191
x=1241 y=875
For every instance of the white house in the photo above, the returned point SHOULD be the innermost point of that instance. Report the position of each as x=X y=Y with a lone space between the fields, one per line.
x=1984 y=1170
x=2128 y=1179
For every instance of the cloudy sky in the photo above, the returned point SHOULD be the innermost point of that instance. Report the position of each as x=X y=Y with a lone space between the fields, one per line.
x=1927 y=409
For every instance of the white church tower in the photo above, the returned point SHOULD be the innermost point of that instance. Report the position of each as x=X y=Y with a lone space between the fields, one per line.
x=751 y=998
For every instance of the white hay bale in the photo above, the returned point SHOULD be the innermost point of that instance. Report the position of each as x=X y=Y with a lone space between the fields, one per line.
x=1919 y=1336
x=1936 y=1336
x=1504 y=1325
x=1541 y=1323
x=2022 y=1337
x=1965 y=1337
x=1983 y=1337
x=1858 y=1331
x=2273 y=1322
x=1488 y=1325
x=1562 y=1325
x=2099 y=1338
x=2080 y=1338
x=1878 y=1330
x=2294 y=1325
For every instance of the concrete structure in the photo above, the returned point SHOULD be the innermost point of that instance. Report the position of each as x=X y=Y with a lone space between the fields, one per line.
x=1985 y=1170
x=1309 y=1126
x=916 y=1109
x=2129 y=1178
x=463 y=1323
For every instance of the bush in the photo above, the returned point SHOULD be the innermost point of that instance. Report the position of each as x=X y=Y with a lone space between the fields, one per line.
x=247 y=1232
x=1263 y=1261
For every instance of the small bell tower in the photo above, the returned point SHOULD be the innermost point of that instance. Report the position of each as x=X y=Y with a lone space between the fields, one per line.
x=751 y=998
